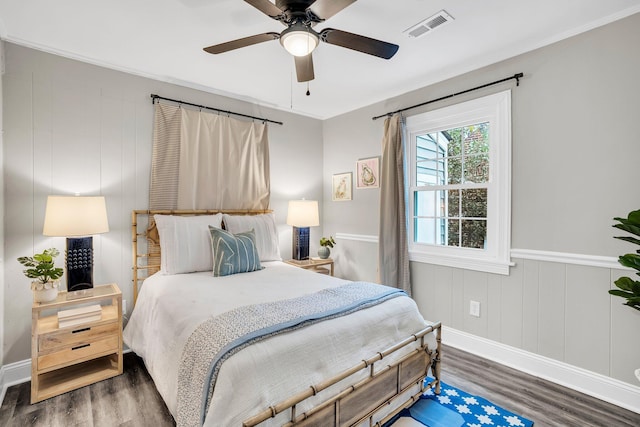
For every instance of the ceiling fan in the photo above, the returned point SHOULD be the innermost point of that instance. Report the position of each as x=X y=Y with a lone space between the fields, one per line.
x=299 y=38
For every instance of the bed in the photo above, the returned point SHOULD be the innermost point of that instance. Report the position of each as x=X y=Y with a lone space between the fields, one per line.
x=356 y=357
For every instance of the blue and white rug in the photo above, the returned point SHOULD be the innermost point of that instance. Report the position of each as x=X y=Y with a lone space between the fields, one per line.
x=455 y=408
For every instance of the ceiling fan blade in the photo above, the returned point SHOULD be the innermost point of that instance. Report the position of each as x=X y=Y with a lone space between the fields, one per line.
x=304 y=68
x=360 y=43
x=243 y=42
x=266 y=7
x=325 y=9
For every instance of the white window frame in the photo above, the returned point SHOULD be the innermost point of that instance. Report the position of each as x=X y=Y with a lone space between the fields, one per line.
x=495 y=109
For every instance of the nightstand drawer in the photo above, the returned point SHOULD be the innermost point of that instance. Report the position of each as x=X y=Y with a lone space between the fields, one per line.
x=80 y=333
x=80 y=351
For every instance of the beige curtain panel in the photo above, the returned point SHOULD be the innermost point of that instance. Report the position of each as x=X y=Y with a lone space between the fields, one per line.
x=221 y=163
x=165 y=159
x=393 y=251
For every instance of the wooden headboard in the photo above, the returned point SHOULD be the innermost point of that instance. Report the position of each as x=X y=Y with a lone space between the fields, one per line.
x=146 y=240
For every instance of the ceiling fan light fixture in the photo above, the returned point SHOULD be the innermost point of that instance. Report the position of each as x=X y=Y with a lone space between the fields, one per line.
x=299 y=40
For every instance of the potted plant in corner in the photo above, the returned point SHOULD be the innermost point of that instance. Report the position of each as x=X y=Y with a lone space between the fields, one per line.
x=325 y=244
x=45 y=274
x=628 y=288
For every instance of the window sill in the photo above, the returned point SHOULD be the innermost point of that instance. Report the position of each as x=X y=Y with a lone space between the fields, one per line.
x=467 y=263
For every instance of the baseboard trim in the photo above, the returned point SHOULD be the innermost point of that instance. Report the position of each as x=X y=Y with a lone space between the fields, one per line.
x=593 y=384
x=12 y=374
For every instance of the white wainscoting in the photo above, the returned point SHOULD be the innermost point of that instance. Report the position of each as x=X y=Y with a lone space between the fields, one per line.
x=604 y=387
x=551 y=317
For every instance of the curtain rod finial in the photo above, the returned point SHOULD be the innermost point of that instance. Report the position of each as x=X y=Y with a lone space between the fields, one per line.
x=518 y=77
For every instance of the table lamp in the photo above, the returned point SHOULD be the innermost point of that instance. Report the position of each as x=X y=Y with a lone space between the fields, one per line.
x=77 y=218
x=302 y=214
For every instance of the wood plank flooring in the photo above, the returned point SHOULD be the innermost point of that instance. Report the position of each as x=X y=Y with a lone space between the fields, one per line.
x=543 y=402
x=131 y=400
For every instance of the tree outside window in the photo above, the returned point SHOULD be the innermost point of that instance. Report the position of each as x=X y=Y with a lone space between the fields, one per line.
x=452 y=170
x=459 y=177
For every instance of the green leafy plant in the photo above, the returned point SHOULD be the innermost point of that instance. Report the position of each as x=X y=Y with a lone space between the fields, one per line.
x=327 y=242
x=629 y=288
x=42 y=266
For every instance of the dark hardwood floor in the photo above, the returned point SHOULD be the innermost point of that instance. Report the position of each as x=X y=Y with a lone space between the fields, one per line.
x=131 y=399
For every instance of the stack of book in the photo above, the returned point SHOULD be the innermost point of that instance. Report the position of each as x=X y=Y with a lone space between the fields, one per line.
x=80 y=315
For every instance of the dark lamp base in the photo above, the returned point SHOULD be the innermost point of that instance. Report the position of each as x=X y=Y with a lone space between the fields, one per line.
x=79 y=263
x=300 y=243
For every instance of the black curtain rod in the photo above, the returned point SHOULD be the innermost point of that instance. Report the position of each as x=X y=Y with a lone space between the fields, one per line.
x=155 y=97
x=517 y=77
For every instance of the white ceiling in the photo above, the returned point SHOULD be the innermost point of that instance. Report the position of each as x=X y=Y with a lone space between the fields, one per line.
x=163 y=39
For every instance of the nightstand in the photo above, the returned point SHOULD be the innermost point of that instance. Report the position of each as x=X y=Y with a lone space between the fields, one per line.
x=64 y=359
x=314 y=264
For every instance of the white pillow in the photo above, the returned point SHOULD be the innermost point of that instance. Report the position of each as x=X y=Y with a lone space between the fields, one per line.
x=185 y=242
x=266 y=232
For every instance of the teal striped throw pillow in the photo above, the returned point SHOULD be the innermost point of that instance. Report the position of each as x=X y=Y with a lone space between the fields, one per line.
x=233 y=253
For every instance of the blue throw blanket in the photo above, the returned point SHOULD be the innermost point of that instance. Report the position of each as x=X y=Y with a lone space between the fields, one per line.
x=219 y=337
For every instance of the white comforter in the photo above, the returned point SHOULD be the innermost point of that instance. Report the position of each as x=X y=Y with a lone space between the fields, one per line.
x=170 y=307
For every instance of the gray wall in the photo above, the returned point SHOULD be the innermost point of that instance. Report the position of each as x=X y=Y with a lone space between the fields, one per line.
x=575 y=165
x=70 y=126
x=74 y=127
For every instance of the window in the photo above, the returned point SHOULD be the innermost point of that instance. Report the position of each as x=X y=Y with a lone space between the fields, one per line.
x=459 y=176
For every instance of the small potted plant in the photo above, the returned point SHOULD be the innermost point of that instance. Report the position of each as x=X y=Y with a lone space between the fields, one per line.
x=45 y=274
x=325 y=244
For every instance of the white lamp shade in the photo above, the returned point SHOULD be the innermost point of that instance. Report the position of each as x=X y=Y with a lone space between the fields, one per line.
x=299 y=42
x=74 y=216
x=303 y=213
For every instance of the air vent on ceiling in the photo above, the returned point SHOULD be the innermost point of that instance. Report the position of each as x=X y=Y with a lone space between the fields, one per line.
x=428 y=24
